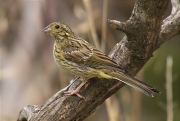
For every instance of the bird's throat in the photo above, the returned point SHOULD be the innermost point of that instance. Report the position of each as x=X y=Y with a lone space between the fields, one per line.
x=59 y=38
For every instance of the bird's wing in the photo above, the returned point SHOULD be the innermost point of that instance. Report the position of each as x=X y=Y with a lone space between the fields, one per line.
x=77 y=50
x=81 y=52
x=102 y=60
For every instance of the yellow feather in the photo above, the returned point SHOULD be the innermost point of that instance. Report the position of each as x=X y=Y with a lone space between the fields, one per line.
x=103 y=75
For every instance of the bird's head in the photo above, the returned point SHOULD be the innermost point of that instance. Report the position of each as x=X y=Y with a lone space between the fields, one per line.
x=58 y=30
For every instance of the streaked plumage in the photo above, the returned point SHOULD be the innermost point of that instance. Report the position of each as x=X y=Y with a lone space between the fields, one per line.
x=80 y=58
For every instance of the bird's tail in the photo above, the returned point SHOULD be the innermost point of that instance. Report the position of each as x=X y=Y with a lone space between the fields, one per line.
x=135 y=83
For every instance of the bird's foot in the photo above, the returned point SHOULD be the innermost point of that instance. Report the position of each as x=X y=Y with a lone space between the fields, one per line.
x=73 y=92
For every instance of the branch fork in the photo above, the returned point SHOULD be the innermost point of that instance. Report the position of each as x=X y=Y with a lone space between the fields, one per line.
x=127 y=53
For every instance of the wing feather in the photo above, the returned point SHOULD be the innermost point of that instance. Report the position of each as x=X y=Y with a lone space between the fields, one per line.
x=101 y=61
x=80 y=51
x=77 y=50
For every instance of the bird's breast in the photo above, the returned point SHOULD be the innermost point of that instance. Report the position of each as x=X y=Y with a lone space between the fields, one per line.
x=76 y=69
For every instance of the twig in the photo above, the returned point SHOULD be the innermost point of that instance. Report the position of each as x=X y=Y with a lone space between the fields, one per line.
x=113 y=110
x=136 y=106
x=122 y=26
x=169 y=88
x=111 y=103
x=88 y=7
x=84 y=27
x=104 y=26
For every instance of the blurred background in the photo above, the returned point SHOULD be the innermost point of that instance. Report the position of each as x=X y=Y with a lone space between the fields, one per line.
x=29 y=75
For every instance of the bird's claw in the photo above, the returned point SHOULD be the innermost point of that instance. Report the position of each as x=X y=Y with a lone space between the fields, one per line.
x=74 y=92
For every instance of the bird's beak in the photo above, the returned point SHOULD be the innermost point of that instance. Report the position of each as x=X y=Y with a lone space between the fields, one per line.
x=47 y=29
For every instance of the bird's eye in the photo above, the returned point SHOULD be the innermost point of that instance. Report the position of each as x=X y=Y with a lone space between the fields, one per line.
x=57 y=26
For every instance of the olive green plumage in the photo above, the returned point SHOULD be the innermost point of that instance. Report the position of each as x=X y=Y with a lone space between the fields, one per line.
x=80 y=58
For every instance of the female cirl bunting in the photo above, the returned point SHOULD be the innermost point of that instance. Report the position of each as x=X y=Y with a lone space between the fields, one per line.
x=80 y=58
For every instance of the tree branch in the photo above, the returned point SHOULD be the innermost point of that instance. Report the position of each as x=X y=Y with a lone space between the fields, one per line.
x=131 y=53
x=122 y=26
x=175 y=6
x=171 y=25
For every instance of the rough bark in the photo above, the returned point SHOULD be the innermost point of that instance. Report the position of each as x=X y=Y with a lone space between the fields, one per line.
x=145 y=32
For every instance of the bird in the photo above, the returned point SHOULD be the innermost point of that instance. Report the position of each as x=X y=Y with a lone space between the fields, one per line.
x=78 y=57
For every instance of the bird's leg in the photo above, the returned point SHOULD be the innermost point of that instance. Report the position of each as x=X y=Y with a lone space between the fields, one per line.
x=76 y=90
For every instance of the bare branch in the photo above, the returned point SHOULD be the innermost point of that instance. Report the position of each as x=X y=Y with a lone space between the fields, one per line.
x=175 y=6
x=28 y=112
x=104 y=27
x=122 y=26
x=112 y=108
x=169 y=89
x=171 y=25
x=88 y=6
x=131 y=53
